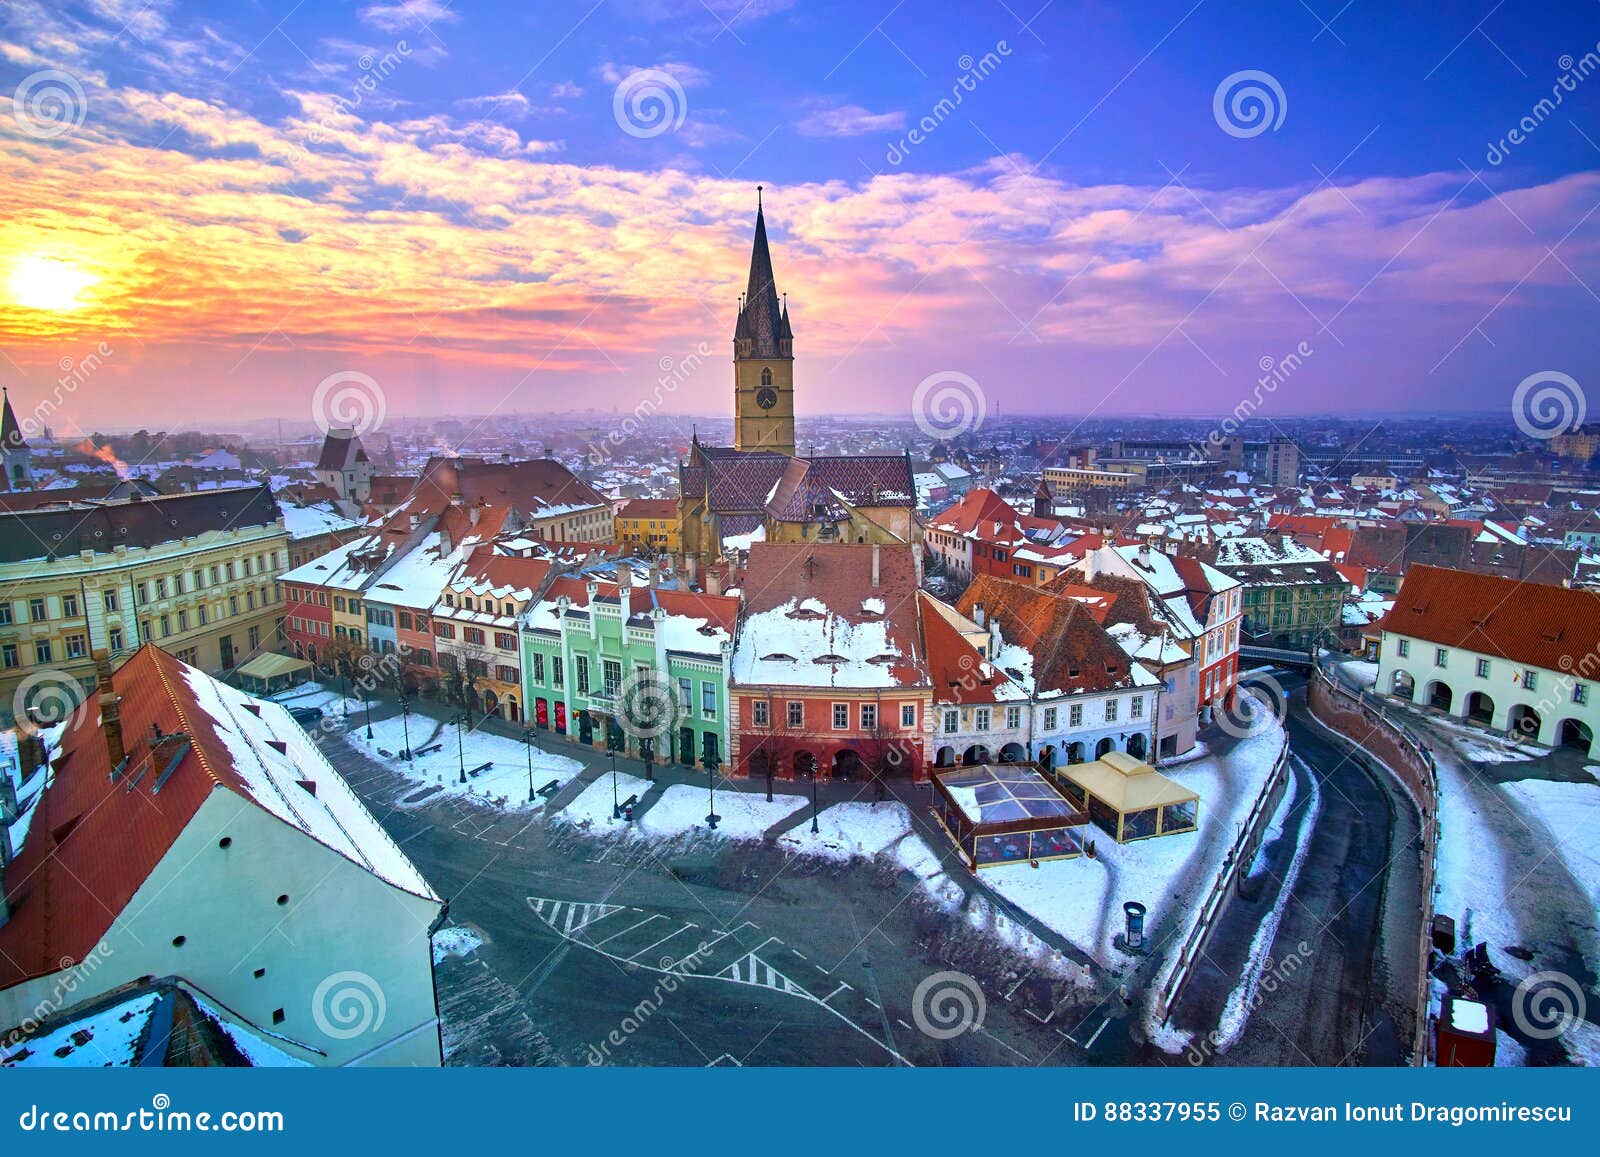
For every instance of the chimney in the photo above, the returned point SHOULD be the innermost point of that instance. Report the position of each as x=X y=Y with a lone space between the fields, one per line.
x=977 y=613
x=110 y=708
x=625 y=588
x=476 y=512
x=652 y=577
x=713 y=581
x=876 y=566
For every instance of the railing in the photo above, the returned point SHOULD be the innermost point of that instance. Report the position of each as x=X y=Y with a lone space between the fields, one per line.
x=1337 y=707
x=1239 y=856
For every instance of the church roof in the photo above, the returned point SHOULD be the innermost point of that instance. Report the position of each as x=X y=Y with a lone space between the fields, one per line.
x=10 y=432
x=341 y=449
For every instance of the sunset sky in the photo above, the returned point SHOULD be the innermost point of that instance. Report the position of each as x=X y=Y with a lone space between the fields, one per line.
x=461 y=200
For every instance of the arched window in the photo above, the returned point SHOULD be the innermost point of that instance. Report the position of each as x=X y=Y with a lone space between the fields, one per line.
x=766 y=375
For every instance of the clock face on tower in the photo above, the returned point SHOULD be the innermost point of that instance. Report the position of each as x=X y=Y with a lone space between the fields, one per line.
x=766 y=397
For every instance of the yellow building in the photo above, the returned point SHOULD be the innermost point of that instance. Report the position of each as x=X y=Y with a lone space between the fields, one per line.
x=194 y=573
x=650 y=523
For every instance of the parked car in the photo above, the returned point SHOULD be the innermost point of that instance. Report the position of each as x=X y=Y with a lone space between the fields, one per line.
x=306 y=716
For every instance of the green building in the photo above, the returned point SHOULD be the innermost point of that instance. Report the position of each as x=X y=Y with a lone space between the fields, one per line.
x=1293 y=597
x=631 y=668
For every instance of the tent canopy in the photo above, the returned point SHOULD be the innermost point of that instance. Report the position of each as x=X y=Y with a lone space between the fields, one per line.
x=1127 y=784
x=273 y=666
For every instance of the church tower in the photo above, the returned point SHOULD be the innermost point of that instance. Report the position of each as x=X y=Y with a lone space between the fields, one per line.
x=16 y=460
x=763 y=357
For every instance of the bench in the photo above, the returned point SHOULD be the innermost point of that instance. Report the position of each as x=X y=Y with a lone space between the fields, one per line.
x=550 y=788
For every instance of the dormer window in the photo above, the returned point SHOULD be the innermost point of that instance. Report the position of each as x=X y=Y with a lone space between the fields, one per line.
x=777 y=657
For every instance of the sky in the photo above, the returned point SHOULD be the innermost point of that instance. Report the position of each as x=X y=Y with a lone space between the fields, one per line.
x=209 y=212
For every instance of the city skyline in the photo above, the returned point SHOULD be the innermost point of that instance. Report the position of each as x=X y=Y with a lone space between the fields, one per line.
x=402 y=192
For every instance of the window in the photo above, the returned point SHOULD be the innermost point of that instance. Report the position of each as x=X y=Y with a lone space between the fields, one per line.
x=115 y=635
x=5 y=614
x=1049 y=718
x=166 y=625
x=505 y=641
x=41 y=651
x=952 y=722
x=708 y=700
x=506 y=674
x=109 y=599
x=36 y=610
x=980 y=719
x=759 y=714
x=200 y=613
x=538 y=668
x=841 y=716
x=473 y=635
x=908 y=715
x=1136 y=707
x=444 y=630
x=685 y=695
x=254 y=638
x=869 y=716
x=338 y=603
x=582 y=662
x=422 y=622
x=405 y=620
x=555 y=671
x=1013 y=718
x=797 y=713
x=1403 y=647
x=8 y=656
x=1075 y=715
x=183 y=620
x=1441 y=657
x=1530 y=680
x=1483 y=668
x=69 y=606
x=1111 y=710
x=161 y=588
x=1580 y=692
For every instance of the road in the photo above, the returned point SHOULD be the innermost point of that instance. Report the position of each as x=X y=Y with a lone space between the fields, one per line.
x=1337 y=985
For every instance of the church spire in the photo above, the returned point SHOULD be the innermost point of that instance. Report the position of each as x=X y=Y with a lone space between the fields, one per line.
x=760 y=317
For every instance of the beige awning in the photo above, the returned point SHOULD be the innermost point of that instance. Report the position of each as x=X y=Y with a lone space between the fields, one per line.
x=1126 y=784
x=272 y=666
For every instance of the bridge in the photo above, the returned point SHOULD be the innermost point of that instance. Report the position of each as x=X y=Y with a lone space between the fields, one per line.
x=1277 y=656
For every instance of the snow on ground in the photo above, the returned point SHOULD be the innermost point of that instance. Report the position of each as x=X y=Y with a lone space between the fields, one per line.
x=1508 y=1052
x=1081 y=899
x=745 y=815
x=455 y=941
x=850 y=830
x=1198 y=751
x=504 y=785
x=1483 y=746
x=1571 y=812
x=592 y=808
x=1359 y=673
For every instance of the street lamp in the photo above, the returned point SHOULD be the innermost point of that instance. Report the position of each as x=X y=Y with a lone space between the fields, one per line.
x=814 y=828
x=615 y=806
x=366 y=699
x=528 y=735
x=711 y=784
x=647 y=752
x=344 y=689
x=405 y=725
x=459 y=719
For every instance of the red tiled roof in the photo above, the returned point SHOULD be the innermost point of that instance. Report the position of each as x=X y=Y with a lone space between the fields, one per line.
x=959 y=673
x=1071 y=652
x=1536 y=624
x=650 y=508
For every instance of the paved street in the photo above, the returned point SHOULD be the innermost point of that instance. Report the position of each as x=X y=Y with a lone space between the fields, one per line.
x=702 y=950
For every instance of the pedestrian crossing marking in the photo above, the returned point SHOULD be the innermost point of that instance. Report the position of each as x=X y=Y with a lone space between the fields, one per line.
x=570 y=917
x=751 y=969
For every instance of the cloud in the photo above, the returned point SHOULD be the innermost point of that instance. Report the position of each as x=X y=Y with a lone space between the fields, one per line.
x=688 y=75
x=565 y=90
x=823 y=119
x=408 y=14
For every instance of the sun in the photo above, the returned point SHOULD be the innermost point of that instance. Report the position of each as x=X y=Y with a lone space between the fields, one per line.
x=47 y=283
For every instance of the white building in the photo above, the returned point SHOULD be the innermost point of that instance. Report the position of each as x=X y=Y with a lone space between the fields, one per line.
x=1514 y=656
x=182 y=829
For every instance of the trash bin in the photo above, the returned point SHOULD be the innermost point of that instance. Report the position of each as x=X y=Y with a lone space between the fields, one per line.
x=1133 y=912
